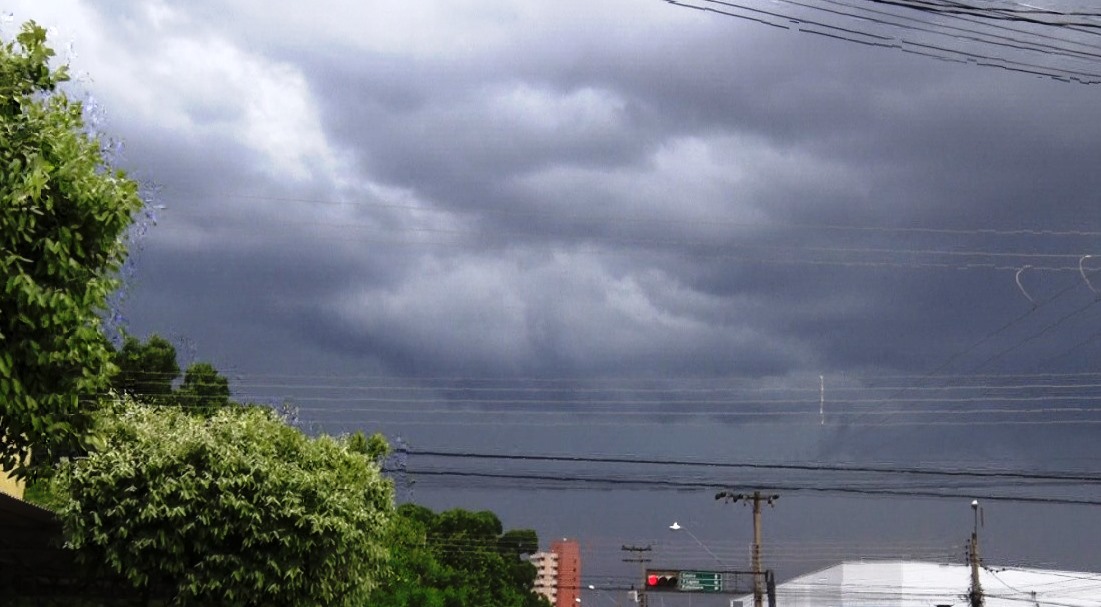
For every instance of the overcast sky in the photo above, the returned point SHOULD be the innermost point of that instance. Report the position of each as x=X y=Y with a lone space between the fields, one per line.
x=632 y=207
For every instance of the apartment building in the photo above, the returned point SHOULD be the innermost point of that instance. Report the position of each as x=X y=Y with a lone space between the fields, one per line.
x=558 y=573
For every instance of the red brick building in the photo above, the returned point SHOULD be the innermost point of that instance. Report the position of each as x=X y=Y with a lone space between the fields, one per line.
x=558 y=575
x=569 y=572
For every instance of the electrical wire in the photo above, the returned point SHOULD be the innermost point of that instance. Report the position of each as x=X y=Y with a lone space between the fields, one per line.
x=574 y=482
x=664 y=222
x=911 y=45
x=637 y=460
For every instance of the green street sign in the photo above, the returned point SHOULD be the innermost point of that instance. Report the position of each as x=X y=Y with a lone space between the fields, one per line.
x=700 y=581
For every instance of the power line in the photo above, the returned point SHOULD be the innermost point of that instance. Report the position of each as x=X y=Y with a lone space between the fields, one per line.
x=1024 y=15
x=576 y=481
x=1021 y=256
x=811 y=421
x=1035 y=335
x=910 y=45
x=964 y=33
x=992 y=334
x=701 y=221
x=687 y=384
x=635 y=460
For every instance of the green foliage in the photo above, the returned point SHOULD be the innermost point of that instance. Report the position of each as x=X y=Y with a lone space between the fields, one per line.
x=204 y=390
x=63 y=212
x=520 y=542
x=457 y=559
x=146 y=370
x=44 y=491
x=374 y=447
x=236 y=509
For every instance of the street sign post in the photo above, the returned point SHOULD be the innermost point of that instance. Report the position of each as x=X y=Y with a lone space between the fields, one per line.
x=676 y=580
x=700 y=581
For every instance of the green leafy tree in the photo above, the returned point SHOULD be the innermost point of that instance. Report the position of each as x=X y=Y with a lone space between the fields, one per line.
x=63 y=212
x=520 y=542
x=146 y=370
x=457 y=558
x=204 y=390
x=374 y=447
x=237 y=509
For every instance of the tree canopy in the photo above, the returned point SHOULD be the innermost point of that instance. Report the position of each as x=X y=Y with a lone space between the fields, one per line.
x=236 y=509
x=63 y=212
x=147 y=371
x=457 y=558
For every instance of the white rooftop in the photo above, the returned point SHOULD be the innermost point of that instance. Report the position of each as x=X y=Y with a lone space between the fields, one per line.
x=922 y=584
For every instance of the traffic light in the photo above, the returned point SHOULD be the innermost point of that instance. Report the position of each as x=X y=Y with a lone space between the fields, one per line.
x=661 y=580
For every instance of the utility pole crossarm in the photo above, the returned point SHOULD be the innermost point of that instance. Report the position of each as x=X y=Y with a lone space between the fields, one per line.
x=757 y=498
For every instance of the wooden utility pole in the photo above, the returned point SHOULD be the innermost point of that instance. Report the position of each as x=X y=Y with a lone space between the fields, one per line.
x=975 y=596
x=758 y=572
x=642 y=562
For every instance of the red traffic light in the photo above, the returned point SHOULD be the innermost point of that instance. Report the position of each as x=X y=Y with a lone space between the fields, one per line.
x=661 y=580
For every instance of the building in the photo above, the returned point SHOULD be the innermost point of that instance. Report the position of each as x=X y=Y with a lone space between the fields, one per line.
x=923 y=584
x=546 y=575
x=10 y=486
x=569 y=572
x=558 y=573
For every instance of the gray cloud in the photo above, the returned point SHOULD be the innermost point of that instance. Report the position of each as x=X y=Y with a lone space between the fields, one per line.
x=597 y=197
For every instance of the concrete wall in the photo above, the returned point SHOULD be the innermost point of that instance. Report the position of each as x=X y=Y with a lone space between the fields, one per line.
x=11 y=486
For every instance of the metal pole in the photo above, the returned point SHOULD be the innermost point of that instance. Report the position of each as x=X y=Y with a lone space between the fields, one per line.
x=758 y=594
x=975 y=597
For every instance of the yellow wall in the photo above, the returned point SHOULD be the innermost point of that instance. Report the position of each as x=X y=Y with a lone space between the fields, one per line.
x=11 y=486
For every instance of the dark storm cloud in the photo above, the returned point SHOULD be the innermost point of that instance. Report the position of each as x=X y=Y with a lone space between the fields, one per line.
x=867 y=144
x=666 y=160
x=584 y=203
